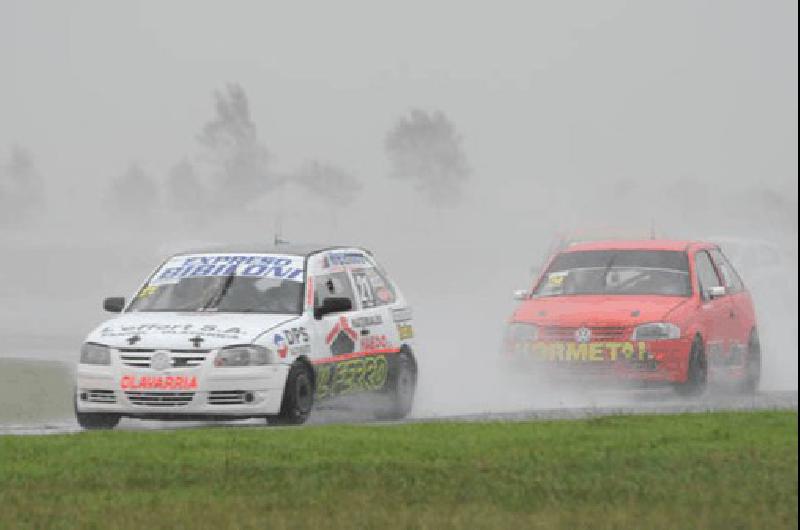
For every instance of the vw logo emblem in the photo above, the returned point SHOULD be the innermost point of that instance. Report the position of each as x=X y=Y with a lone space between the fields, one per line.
x=160 y=361
x=583 y=335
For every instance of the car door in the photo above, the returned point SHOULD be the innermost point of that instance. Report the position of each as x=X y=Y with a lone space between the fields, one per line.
x=741 y=317
x=334 y=333
x=714 y=311
x=335 y=339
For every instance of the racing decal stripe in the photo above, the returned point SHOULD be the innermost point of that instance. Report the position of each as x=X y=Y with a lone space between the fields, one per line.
x=355 y=355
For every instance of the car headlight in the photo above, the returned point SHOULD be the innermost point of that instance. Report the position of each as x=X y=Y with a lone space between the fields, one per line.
x=243 y=356
x=517 y=332
x=656 y=331
x=92 y=353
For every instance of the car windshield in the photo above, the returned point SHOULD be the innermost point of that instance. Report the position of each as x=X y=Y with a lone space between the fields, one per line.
x=617 y=272
x=250 y=283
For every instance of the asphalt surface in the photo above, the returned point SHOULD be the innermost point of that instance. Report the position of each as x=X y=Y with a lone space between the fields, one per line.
x=642 y=402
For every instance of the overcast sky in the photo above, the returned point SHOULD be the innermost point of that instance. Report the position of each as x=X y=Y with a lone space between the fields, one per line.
x=576 y=90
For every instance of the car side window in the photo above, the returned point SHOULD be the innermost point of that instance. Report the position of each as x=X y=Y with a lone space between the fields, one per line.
x=372 y=287
x=334 y=285
x=706 y=274
x=729 y=275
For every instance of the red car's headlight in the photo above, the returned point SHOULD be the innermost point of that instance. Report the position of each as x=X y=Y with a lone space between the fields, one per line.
x=656 y=331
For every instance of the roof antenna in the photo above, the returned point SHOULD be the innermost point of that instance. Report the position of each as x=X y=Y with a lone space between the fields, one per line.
x=652 y=228
x=278 y=240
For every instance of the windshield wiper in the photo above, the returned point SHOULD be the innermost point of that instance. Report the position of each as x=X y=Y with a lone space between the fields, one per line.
x=213 y=303
x=607 y=270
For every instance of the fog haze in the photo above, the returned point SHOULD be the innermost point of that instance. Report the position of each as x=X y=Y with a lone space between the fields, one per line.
x=604 y=118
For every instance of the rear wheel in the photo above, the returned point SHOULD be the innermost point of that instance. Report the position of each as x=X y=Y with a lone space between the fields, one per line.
x=298 y=397
x=403 y=386
x=752 y=375
x=697 y=372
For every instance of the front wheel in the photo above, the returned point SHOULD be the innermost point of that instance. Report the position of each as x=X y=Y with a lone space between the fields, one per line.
x=95 y=421
x=697 y=372
x=402 y=387
x=298 y=397
x=92 y=421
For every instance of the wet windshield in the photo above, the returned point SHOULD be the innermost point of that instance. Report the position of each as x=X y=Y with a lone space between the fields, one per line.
x=621 y=272
x=226 y=284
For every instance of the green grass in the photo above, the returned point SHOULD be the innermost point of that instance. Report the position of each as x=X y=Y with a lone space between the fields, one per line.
x=33 y=391
x=717 y=470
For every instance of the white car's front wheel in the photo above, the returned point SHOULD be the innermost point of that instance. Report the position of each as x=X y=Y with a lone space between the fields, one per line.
x=95 y=420
x=298 y=397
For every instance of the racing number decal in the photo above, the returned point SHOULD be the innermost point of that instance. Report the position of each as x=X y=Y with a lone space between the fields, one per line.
x=364 y=289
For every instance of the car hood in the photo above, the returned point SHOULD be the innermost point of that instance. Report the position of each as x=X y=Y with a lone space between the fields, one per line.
x=184 y=330
x=596 y=310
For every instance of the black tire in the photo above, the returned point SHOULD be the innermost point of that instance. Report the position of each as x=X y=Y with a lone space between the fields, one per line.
x=401 y=390
x=298 y=397
x=93 y=421
x=697 y=376
x=752 y=378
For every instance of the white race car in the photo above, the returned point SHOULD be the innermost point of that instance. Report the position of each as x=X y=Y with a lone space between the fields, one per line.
x=237 y=333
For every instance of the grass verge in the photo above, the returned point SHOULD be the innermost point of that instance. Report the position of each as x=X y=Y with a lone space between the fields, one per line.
x=716 y=470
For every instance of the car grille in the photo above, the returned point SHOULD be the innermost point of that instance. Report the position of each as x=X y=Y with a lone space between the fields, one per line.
x=227 y=397
x=160 y=399
x=140 y=358
x=564 y=333
x=101 y=396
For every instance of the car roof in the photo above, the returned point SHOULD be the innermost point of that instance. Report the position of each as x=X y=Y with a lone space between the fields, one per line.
x=636 y=244
x=283 y=249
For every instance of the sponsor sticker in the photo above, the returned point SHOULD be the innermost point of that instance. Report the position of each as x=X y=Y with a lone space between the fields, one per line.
x=583 y=352
x=353 y=375
x=401 y=315
x=367 y=321
x=249 y=265
x=374 y=342
x=345 y=258
x=281 y=345
x=166 y=382
x=405 y=331
x=206 y=330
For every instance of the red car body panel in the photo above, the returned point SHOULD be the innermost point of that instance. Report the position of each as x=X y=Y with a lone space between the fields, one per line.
x=724 y=324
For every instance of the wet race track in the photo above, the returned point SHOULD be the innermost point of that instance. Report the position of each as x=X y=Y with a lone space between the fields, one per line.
x=646 y=402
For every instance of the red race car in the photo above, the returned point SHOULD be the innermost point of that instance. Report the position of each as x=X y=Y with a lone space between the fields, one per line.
x=664 y=311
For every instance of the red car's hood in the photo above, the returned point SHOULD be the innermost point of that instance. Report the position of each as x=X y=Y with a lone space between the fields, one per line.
x=596 y=310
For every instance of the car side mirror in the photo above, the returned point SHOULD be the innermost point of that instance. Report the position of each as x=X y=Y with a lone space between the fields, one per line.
x=333 y=305
x=718 y=291
x=114 y=304
x=521 y=294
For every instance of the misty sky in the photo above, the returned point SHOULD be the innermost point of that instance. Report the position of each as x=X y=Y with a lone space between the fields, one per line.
x=556 y=90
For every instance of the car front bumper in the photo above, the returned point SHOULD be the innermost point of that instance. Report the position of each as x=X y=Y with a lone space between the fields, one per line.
x=203 y=391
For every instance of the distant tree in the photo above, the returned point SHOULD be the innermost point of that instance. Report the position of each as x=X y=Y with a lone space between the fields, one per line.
x=21 y=188
x=134 y=194
x=185 y=193
x=328 y=182
x=231 y=140
x=426 y=149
